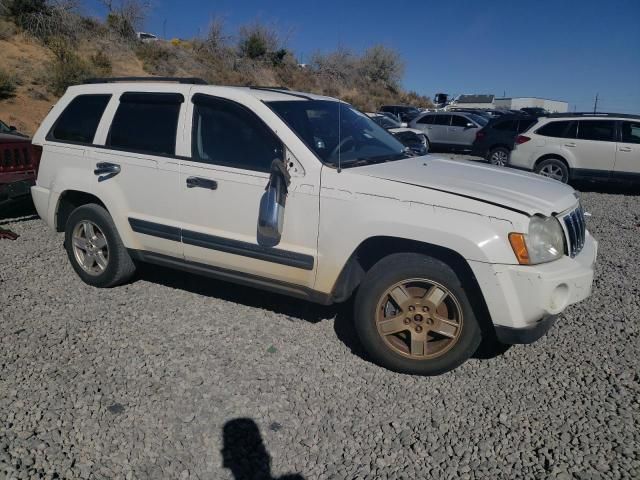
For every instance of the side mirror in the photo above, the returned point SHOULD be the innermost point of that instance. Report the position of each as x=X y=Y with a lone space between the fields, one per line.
x=470 y=125
x=272 y=205
x=12 y=128
x=404 y=124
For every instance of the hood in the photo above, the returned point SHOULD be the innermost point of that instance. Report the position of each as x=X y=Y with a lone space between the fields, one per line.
x=405 y=129
x=520 y=191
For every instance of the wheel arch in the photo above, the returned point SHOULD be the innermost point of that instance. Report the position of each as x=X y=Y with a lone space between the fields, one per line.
x=554 y=156
x=68 y=201
x=374 y=249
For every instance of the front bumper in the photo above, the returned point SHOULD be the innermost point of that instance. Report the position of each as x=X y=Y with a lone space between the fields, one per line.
x=528 y=297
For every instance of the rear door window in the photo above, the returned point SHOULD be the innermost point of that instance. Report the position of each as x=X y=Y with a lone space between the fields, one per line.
x=600 y=130
x=146 y=123
x=79 y=121
x=442 y=120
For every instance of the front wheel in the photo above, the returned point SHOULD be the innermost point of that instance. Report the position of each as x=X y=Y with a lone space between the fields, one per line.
x=412 y=315
x=553 y=168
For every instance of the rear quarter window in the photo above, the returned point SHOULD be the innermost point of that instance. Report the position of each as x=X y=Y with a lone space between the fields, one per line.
x=559 y=129
x=79 y=121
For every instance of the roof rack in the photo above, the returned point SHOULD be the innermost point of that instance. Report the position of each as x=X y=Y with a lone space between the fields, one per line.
x=266 y=87
x=591 y=114
x=190 y=80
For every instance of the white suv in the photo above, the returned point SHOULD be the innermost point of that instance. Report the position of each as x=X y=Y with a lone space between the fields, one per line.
x=581 y=147
x=303 y=195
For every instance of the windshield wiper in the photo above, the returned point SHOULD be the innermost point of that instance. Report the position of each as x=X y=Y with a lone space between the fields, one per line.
x=372 y=160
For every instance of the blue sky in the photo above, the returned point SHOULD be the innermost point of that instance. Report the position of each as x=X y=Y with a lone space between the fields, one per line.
x=565 y=50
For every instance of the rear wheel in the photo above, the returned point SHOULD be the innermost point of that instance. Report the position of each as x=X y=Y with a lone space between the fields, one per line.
x=95 y=249
x=413 y=316
x=499 y=156
x=553 y=168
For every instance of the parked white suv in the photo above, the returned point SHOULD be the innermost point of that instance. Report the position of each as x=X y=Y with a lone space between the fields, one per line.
x=303 y=195
x=581 y=147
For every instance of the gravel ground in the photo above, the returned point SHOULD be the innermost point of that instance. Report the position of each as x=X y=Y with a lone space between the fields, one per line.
x=179 y=377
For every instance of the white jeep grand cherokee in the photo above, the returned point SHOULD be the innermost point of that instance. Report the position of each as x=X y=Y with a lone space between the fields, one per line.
x=303 y=195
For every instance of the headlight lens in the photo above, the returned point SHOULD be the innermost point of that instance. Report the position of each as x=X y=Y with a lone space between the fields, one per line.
x=543 y=243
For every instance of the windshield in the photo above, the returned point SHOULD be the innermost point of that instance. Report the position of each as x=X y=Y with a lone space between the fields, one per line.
x=338 y=133
x=479 y=119
x=385 y=122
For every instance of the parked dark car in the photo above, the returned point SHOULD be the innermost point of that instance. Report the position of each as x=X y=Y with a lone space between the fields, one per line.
x=18 y=167
x=405 y=113
x=535 y=111
x=494 y=142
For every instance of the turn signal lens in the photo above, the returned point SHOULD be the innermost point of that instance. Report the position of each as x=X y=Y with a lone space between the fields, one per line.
x=519 y=248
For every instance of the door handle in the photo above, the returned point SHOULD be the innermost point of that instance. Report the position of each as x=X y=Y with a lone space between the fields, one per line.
x=106 y=170
x=624 y=149
x=569 y=144
x=199 y=182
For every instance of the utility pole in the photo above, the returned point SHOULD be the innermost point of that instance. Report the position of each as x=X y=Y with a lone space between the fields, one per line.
x=595 y=104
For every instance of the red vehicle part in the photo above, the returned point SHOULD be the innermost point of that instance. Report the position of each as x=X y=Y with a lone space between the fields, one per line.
x=19 y=161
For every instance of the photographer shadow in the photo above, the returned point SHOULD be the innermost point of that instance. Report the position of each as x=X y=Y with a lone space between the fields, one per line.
x=245 y=454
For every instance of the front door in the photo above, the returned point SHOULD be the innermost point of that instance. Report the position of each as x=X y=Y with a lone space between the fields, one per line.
x=222 y=184
x=628 y=152
x=460 y=133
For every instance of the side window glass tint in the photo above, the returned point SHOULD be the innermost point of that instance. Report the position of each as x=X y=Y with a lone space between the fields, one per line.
x=554 y=129
x=442 y=120
x=458 y=121
x=146 y=123
x=602 y=130
x=506 y=126
x=426 y=120
x=226 y=133
x=630 y=132
x=79 y=121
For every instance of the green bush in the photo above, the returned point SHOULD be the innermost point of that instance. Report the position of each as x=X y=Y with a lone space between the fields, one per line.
x=7 y=85
x=67 y=68
x=156 y=58
x=21 y=10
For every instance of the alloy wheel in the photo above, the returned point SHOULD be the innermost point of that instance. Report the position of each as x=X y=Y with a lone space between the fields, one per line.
x=90 y=247
x=419 y=318
x=552 y=171
x=499 y=158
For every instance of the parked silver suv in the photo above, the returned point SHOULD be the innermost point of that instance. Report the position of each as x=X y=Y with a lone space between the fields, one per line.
x=452 y=131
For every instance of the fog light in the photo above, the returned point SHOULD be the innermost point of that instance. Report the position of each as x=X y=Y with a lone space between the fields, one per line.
x=559 y=298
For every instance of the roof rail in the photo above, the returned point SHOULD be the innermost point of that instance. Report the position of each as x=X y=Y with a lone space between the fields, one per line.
x=591 y=114
x=266 y=87
x=190 y=80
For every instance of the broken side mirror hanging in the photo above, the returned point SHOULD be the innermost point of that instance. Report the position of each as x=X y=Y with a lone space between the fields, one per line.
x=272 y=205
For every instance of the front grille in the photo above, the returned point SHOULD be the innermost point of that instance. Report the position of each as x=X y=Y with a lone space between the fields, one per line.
x=576 y=230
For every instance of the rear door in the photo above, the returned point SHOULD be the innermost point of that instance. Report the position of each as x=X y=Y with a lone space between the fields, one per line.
x=627 y=164
x=221 y=187
x=439 y=131
x=594 y=147
x=137 y=170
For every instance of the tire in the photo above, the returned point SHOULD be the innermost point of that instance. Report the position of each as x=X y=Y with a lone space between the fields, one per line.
x=553 y=168
x=102 y=261
x=428 y=144
x=499 y=156
x=414 y=348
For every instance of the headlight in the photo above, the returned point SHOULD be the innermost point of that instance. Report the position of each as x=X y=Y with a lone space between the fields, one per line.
x=543 y=243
